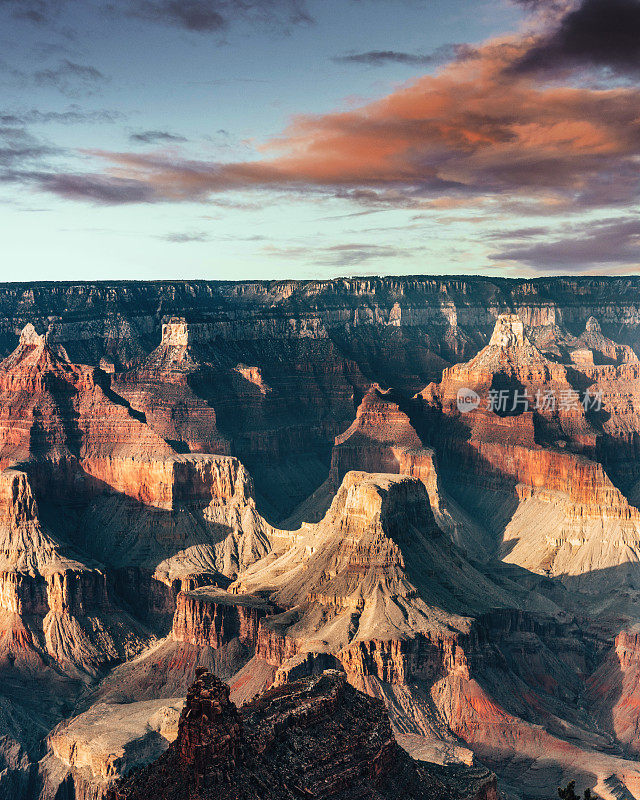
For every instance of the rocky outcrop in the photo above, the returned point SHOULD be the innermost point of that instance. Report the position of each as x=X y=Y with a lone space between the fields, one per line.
x=601 y=347
x=212 y=528
x=213 y=617
x=377 y=587
x=515 y=385
x=312 y=738
x=160 y=391
x=496 y=461
x=584 y=481
x=82 y=438
x=508 y=332
x=88 y=753
x=375 y=440
x=399 y=661
x=353 y=581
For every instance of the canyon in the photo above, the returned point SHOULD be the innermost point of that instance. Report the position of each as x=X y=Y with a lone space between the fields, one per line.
x=414 y=500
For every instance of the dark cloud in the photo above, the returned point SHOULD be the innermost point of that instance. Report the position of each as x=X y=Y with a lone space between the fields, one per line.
x=601 y=33
x=214 y=15
x=203 y=16
x=377 y=58
x=194 y=15
x=346 y=255
x=68 y=77
x=597 y=244
x=20 y=154
x=518 y=233
x=537 y=5
x=100 y=189
x=18 y=146
x=156 y=137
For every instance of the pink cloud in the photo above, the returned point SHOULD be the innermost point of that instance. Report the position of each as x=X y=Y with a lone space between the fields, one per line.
x=475 y=128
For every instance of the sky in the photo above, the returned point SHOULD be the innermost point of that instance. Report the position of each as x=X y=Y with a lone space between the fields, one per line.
x=271 y=139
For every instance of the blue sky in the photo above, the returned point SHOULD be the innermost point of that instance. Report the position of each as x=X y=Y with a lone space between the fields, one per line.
x=151 y=139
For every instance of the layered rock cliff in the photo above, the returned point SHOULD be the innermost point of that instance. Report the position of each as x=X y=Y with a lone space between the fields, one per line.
x=315 y=344
x=159 y=389
x=123 y=320
x=378 y=590
x=54 y=606
x=212 y=617
x=528 y=470
x=152 y=514
x=376 y=439
x=376 y=585
x=88 y=753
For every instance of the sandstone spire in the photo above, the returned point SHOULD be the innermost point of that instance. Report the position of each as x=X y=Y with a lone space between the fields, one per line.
x=508 y=332
x=593 y=326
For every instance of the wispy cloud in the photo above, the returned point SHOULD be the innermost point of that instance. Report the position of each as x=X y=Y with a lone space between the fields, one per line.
x=183 y=238
x=101 y=189
x=207 y=16
x=68 y=77
x=340 y=255
x=71 y=116
x=156 y=137
x=609 y=242
x=194 y=15
x=378 y=58
x=38 y=12
x=199 y=16
x=20 y=154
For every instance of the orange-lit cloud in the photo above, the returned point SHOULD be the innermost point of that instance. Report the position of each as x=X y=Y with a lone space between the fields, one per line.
x=477 y=128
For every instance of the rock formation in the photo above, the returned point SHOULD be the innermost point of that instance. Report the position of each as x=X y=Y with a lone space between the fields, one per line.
x=362 y=585
x=159 y=390
x=540 y=460
x=88 y=753
x=383 y=439
x=375 y=440
x=54 y=606
x=213 y=617
x=312 y=738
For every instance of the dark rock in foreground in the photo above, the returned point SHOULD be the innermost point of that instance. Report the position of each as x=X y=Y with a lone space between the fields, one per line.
x=313 y=738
